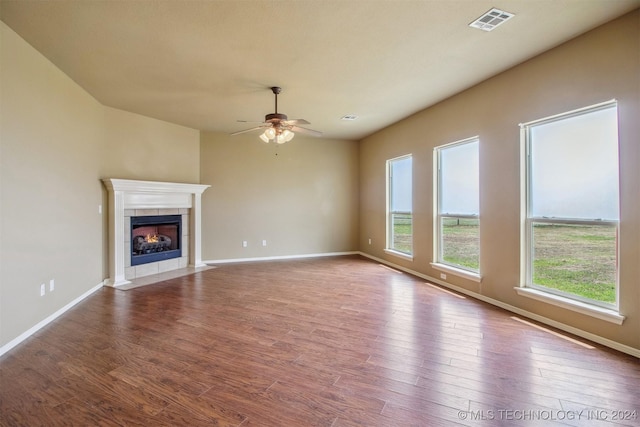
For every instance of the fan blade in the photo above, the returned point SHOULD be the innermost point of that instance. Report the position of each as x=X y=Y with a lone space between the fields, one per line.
x=297 y=122
x=248 y=130
x=306 y=131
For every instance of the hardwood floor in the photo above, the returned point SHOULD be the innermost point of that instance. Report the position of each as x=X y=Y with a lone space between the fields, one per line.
x=331 y=342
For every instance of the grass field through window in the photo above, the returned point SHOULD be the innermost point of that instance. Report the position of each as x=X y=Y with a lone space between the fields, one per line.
x=461 y=242
x=573 y=259
x=577 y=259
x=402 y=239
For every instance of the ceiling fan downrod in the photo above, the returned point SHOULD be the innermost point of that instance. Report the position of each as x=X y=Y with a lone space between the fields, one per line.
x=279 y=117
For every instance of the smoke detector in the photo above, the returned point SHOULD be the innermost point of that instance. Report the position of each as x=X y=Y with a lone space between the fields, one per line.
x=491 y=19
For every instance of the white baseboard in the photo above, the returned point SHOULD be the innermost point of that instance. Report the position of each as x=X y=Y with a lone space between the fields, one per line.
x=570 y=329
x=281 y=257
x=17 y=340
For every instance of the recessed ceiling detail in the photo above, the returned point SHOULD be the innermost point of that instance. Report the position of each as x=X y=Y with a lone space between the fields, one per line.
x=491 y=19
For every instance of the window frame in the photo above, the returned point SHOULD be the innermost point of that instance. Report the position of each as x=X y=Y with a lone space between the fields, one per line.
x=529 y=220
x=438 y=244
x=389 y=232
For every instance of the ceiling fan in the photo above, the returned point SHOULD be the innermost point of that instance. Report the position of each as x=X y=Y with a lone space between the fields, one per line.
x=277 y=127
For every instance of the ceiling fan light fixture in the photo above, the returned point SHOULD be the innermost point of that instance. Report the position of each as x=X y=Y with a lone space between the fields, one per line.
x=287 y=135
x=270 y=133
x=277 y=127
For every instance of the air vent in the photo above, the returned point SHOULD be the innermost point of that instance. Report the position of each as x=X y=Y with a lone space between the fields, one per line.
x=491 y=19
x=349 y=117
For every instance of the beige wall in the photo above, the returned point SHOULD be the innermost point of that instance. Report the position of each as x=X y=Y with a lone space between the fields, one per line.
x=138 y=147
x=598 y=66
x=56 y=142
x=51 y=143
x=301 y=197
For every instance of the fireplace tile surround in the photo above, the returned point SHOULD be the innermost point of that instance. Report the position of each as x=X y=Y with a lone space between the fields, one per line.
x=129 y=198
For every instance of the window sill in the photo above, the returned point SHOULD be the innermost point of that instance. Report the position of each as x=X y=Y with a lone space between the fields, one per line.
x=580 y=307
x=457 y=272
x=399 y=254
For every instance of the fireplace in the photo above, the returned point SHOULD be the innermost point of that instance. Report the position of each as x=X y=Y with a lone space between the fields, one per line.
x=178 y=244
x=155 y=238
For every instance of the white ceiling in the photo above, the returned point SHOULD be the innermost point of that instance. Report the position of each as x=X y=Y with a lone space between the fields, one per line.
x=207 y=64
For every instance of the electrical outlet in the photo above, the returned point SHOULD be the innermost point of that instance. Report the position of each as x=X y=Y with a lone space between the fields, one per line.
x=369 y=241
x=245 y=244
x=52 y=285
x=264 y=243
x=43 y=289
x=443 y=276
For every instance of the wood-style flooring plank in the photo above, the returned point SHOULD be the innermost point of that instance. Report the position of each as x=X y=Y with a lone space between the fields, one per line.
x=339 y=341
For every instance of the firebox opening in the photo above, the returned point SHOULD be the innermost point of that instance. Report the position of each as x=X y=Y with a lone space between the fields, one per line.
x=155 y=238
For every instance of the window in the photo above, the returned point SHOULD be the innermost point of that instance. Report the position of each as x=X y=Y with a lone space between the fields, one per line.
x=457 y=241
x=399 y=205
x=571 y=226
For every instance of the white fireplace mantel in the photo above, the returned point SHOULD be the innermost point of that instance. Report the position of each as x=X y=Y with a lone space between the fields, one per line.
x=125 y=194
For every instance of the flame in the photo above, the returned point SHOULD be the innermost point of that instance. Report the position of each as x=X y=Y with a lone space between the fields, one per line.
x=151 y=239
